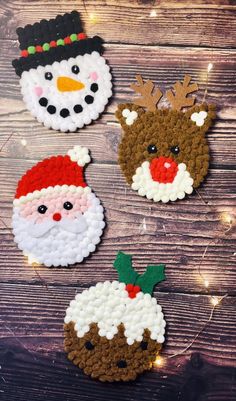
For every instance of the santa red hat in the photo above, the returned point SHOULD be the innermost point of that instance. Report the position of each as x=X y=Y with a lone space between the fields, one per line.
x=57 y=173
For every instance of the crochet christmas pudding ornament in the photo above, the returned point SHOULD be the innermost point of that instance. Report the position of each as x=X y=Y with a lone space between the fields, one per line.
x=114 y=330
x=164 y=154
x=65 y=81
x=57 y=219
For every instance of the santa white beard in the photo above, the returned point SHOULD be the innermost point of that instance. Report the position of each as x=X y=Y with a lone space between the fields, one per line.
x=60 y=243
x=146 y=186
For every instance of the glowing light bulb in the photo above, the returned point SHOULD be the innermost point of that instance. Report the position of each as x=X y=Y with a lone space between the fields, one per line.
x=23 y=142
x=93 y=18
x=206 y=283
x=158 y=361
x=209 y=67
x=153 y=13
x=215 y=301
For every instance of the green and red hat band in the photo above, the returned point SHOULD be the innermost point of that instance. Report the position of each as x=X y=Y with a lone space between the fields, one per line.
x=74 y=37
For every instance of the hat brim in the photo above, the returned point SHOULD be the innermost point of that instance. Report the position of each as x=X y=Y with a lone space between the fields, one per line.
x=59 y=53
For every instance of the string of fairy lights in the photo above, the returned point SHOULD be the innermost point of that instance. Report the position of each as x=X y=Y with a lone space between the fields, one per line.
x=226 y=218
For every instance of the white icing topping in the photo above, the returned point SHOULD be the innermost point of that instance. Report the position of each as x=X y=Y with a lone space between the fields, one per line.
x=146 y=186
x=108 y=304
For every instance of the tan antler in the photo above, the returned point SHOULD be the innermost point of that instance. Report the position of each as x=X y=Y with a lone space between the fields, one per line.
x=148 y=98
x=179 y=99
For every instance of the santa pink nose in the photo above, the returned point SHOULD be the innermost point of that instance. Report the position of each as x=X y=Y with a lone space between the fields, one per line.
x=57 y=216
x=163 y=169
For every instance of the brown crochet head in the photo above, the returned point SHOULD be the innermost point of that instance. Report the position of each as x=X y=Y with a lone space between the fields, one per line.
x=164 y=154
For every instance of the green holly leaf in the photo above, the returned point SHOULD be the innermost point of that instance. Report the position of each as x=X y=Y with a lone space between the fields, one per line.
x=123 y=264
x=152 y=276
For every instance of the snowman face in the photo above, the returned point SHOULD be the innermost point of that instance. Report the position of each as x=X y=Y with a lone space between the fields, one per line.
x=69 y=94
x=59 y=229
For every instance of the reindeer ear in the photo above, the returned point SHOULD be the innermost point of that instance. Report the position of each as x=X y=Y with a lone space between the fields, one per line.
x=202 y=116
x=128 y=113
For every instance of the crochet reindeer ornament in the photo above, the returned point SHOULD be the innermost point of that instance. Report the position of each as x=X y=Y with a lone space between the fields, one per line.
x=164 y=154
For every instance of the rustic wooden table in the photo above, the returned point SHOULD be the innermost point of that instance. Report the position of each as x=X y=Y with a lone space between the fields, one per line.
x=162 y=40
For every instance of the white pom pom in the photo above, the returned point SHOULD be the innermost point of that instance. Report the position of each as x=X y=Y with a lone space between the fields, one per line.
x=80 y=155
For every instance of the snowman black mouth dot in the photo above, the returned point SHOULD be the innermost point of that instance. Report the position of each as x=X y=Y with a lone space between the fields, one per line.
x=51 y=109
x=43 y=101
x=64 y=113
x=78 y=108
x=94 y=87
x=89 y=99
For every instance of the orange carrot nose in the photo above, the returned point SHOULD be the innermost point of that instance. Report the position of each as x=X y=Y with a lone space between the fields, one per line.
x=66 y=84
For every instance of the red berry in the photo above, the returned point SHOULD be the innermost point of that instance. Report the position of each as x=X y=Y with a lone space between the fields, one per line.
x=132 y=294
x=24 y=53
x=67 y=40
x=136 y=289
x=129 y=287
x=39 y=49
x=81 y=35
x=53 y=43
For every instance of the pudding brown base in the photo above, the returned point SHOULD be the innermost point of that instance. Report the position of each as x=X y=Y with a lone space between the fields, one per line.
x=110 y=360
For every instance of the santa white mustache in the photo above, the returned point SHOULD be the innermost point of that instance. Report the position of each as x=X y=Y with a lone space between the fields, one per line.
x=76 y=225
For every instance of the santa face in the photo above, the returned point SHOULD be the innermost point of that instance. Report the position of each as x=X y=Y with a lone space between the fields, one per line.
x=59 y=229
x=69 y=94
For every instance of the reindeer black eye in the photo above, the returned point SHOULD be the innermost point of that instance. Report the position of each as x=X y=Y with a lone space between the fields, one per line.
x=48 y=76
x=42 y=209
x=144 y=345
x=68 y=206
x=89 y=345
x=175 y=149
x=152 y=148
x=75 y=69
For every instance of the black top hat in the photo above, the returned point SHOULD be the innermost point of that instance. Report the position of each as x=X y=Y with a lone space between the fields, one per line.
x=54 y=40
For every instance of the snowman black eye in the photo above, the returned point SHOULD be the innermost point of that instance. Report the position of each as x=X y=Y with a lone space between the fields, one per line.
x=143 y=345
x=75 y=69
x=175 y=149
x=42 y=209
x=152 y=148
x=89 y=346
x=68 y=206
x=48 y=76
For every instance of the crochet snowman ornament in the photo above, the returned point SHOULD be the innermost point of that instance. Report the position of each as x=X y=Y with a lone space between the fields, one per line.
x=114 y=330
x=65 y=81
x=57 y=219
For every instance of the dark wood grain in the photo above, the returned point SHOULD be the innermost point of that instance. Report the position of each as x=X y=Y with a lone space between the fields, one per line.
x=183 y=37
x=201 y=23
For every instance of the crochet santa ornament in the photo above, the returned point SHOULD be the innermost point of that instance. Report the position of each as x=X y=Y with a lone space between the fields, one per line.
x=57 y=219
x=115 y=330
x=65 y=81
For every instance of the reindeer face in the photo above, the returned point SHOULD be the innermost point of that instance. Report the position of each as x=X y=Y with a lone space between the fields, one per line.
x=163 y=153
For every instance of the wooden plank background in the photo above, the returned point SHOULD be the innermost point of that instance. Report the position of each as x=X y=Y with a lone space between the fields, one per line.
x=182 y=37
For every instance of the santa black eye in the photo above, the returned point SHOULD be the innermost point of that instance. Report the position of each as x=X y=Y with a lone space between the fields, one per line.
x=144 y=345
x=152 y=148
x=42 y=209
x=75 y=69
x=175 y=149
x=48 y=76
x=68 y=206
x=89 y=346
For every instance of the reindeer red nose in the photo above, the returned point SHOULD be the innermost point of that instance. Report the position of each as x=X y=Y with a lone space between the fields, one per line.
x=163 y=169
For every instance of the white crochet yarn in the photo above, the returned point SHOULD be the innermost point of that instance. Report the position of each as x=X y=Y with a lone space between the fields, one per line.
x=130 y=116
x=80 y=155
x=64 y=242
x=92 y=70
x=146 y=186
x=199 y=118
x=108 y=304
